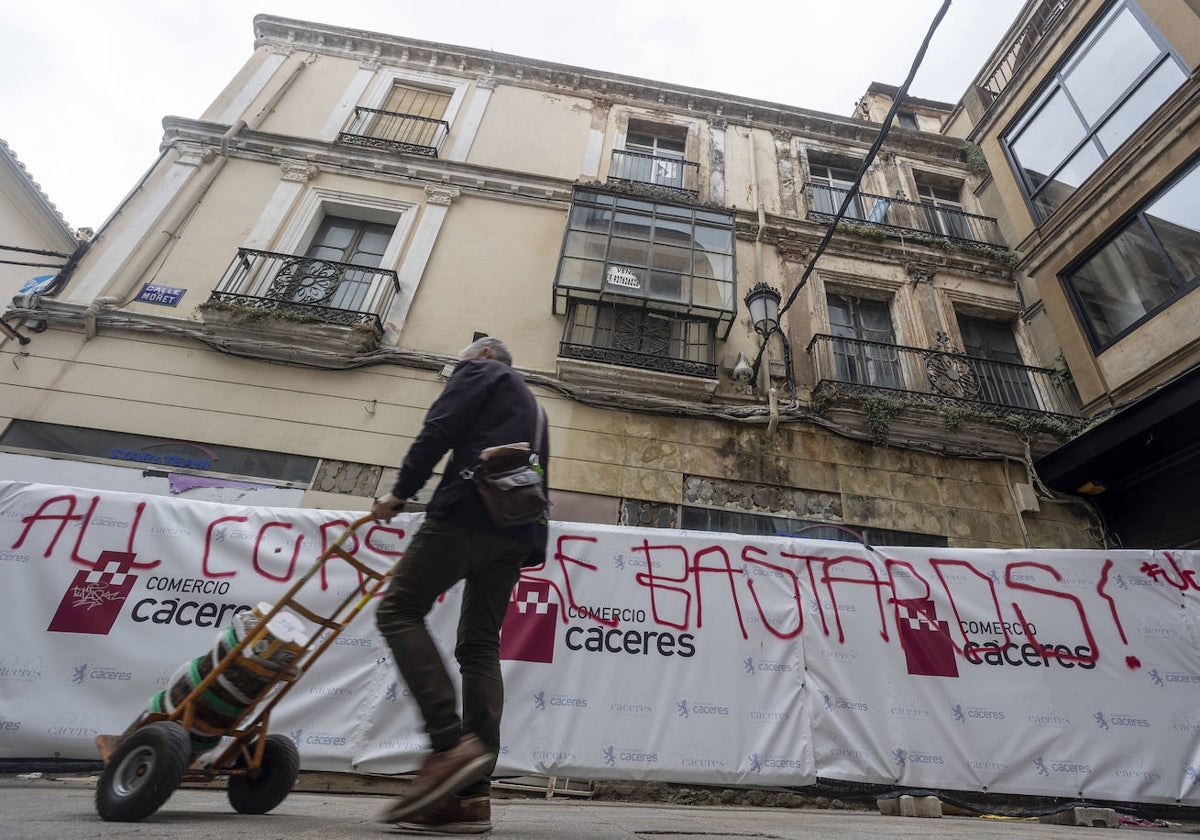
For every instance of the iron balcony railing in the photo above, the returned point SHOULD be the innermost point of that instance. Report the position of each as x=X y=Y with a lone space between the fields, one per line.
x=395 y=132
x=939 y=376
x=899 y=216
x=682 y=176
x=308 y=289
x=629 y=358
x=1040 y=23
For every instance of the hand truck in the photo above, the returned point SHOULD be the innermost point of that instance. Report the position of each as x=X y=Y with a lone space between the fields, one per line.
x=232 y=691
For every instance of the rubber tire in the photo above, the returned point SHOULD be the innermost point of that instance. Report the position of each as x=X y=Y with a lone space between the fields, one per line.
x=276 y=776
x=143 y=772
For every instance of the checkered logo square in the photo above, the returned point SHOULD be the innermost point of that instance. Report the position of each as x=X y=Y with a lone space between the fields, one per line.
x=928 y=650
x=530 y=623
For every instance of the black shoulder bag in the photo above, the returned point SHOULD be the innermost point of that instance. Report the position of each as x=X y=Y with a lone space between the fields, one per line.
x=509 y=480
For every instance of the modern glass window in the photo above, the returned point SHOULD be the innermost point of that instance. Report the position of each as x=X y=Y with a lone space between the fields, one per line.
x=1151 y=261
x=1111 y=83
x=867 y=354
x=999 y=369
x=668 y=257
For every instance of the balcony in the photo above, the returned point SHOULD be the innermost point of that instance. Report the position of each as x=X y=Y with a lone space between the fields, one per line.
x=938 y=377
x=644 y=361
x=681 y=177
x=389 y=131
x=899 y=217
x=301 y=290
x=1041 y=21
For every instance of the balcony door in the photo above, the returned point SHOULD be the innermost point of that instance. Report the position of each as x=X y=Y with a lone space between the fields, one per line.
x=866 y=355
x=998 y=365
x=829 y=188
x=654 y=157
x=944 y=211
x=403 y=104
x=346 y=241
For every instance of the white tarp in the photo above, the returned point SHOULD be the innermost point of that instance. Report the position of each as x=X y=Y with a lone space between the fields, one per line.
x=639 y=653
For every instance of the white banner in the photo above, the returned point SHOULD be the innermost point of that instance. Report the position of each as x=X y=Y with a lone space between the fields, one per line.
x=638 y=653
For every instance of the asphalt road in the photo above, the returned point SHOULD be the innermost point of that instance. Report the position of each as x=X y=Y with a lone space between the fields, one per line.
x=56 y=809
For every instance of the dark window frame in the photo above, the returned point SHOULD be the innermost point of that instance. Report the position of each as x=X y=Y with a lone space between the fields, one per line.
x=1055 y=82
x=1136 y=217
x=661 y=218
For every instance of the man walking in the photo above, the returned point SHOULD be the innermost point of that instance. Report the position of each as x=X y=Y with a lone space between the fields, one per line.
x=485 y=403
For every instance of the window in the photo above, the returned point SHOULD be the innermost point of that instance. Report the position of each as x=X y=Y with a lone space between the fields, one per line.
x=829 y=186
x=667 y=257
x=866 y=355
x=411 y=119
x=757 y=524
x=1113 y=81
x=654 y=154
x=639 y=338
x=943 y=211
x=907 y=119
x=325 y=276
x=999 y=369
x=1152 y=260
x=339 y=240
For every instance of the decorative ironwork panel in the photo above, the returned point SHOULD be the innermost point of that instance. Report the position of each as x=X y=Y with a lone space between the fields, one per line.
x=951 y=375
x=301 y=311
x=646 y=361
x=305 y=280
x=394 y=132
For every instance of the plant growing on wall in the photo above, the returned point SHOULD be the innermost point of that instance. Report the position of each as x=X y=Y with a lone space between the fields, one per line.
x=880 y=413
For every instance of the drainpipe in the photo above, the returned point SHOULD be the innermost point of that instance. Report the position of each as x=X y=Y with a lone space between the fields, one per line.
x=182 y=210
x=764 y=369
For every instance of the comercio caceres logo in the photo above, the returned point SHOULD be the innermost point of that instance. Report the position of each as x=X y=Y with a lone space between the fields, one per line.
x=94 y=598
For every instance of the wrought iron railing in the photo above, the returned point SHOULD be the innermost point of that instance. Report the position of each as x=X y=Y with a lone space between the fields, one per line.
x=900 y=216
x=1040 y=23
x=395 y=132
x=682 y=176
x=939 y=376
x=304 y=288
x=628 y=358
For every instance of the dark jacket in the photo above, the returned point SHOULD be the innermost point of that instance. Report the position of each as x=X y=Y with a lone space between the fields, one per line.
x=485 y=403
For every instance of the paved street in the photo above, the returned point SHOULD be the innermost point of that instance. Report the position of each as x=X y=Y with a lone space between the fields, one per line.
x=49 y=809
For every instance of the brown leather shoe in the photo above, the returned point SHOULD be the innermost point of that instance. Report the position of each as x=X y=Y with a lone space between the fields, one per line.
x=441 y=774
x=453 y=815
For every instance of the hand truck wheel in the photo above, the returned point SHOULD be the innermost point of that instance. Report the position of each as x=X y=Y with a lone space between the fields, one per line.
x=143 y=772
x=258 y=791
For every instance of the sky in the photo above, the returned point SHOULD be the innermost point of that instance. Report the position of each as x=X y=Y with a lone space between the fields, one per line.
x=87 y=84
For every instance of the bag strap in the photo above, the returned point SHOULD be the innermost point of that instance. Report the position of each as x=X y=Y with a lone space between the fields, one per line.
x=537 y=434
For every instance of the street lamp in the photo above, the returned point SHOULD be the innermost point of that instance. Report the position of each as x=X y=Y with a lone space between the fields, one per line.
x=763 y=303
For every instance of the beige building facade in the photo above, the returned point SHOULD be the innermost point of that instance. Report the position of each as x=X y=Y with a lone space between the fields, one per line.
x=271 y=311
x=1088 y=113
